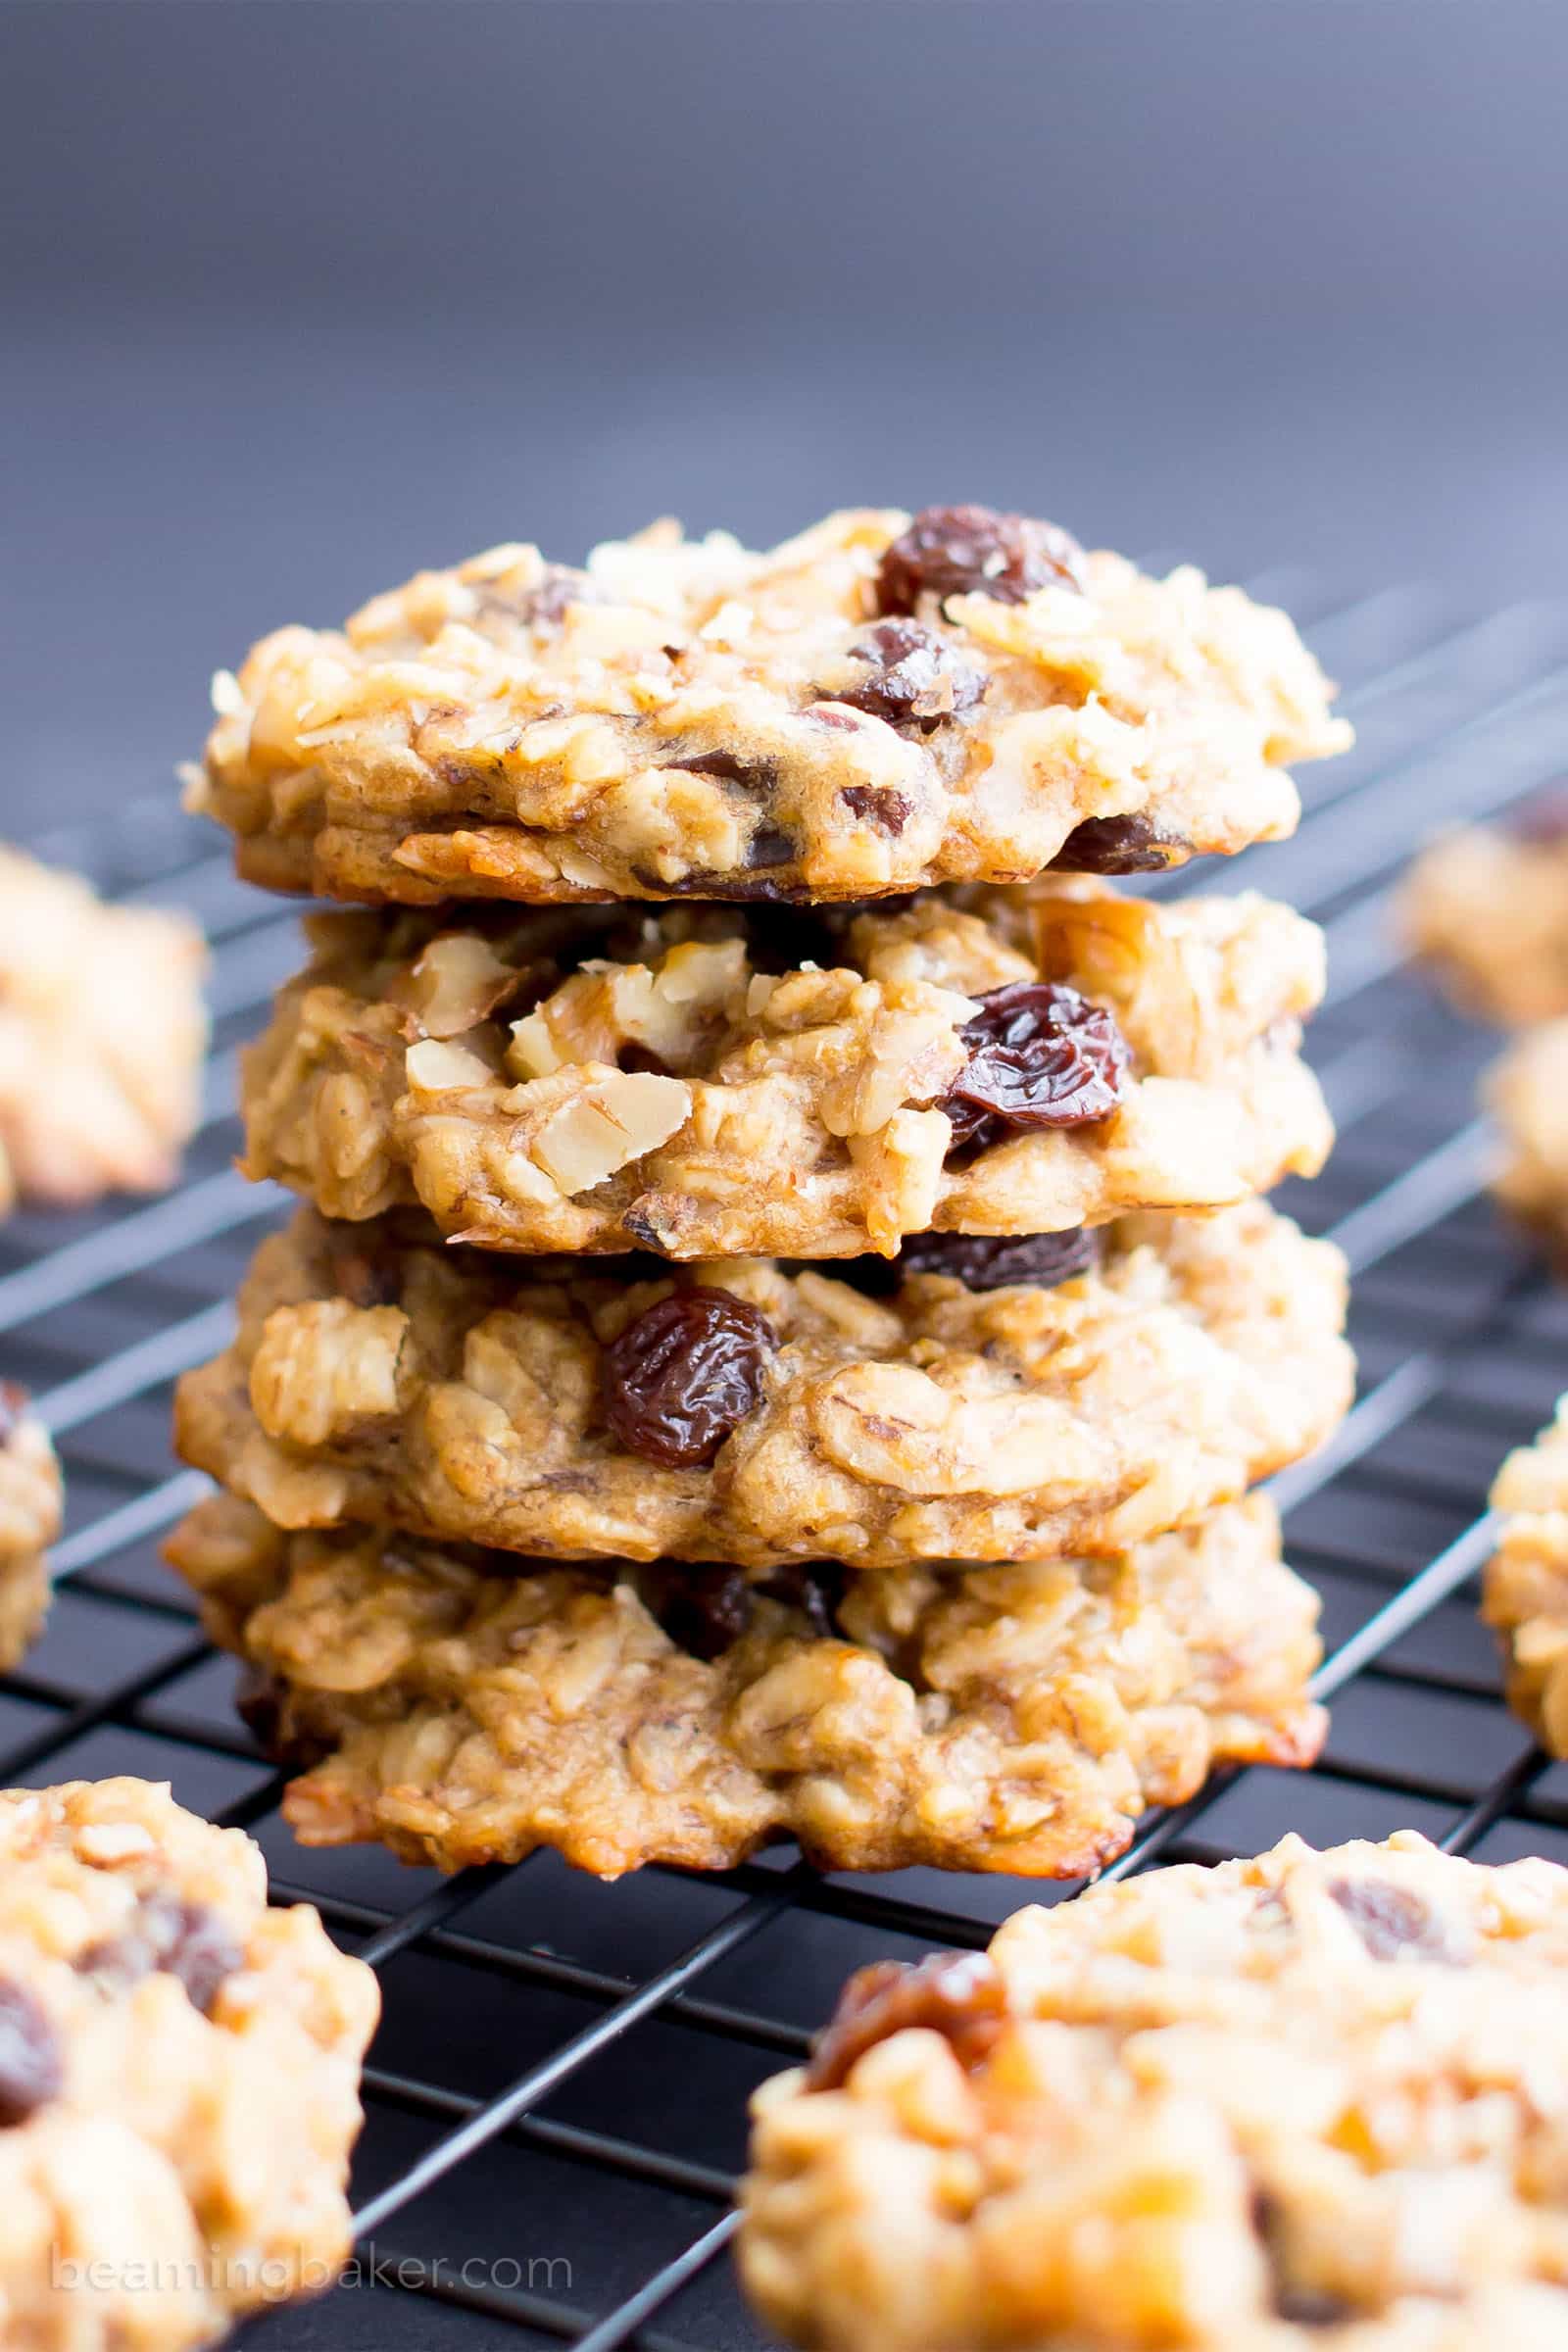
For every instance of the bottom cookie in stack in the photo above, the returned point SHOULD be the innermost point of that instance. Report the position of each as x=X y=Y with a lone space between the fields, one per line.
x=461 y=1705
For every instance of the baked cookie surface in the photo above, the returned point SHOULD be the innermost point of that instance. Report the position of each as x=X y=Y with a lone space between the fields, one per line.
x=1525 y=1585
x=465 y=1706
x=740 y=1413
x=881 y=703
x=30 y=1499
x=179 y=2076
x=1315 y=2098
x=716 y=1083
x=102 y=1034
x=1487 y=909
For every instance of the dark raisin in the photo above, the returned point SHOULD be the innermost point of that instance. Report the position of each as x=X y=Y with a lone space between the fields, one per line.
x=31 y=2069
x=702 y=1609
x=263 y=1704
x=751 y=775
x=888 y=812
x=813 y=1587
x=12 y=1404
x=952 y=551
x=1313 y=2307
x=361 y=1273
x=641 y=1230
x=165 y=1935
x=638 y=1058
x=684 y=1374
x=1042 y=1259
x=961 y=1995
x=1393 y=1923
x=1542 y=822
x=1118 y=845
x=916 y=678
x=770 y=845
x=1305 y=2306
x=205 y=1954
x=781 y=938
x=874 y=1277
x=543 y=607
x=1039 y=1055
x=711 y=883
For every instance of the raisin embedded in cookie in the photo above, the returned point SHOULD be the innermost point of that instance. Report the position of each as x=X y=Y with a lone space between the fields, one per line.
x=463 y=1706
x=716 y=1083
x=1315 y=2098
x=881 y=703
x=179 y=2076
x=1527 y=1092
x=544 y=1406
x=29 y=1521
x=1525 y=1588
x=102 y=1034
x=1488 y=908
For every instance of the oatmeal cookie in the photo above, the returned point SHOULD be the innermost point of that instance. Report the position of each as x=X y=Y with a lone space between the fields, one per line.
x=29 y=1521
x=179 y=2076
x=717 y=1083
x=102 y=1035
x=737 y=1412
x=1315 y=2098
x=1525 y=1589
x=1528 y=1094
x=465 y=1706
x=1488 y=908
x=878 y=704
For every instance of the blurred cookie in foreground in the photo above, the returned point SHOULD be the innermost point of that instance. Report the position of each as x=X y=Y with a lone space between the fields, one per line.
x=466 y=1707
x=179 y=2073
x=1525 y=1589
x=1527 y=1092
x=884 y=702
x=29 y=1521
x=711 y=1082
x=1487 y=908
x=1309 y=2100
x=102 y=1035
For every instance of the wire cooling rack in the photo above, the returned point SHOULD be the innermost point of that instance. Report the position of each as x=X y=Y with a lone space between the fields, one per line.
x=556 y=2103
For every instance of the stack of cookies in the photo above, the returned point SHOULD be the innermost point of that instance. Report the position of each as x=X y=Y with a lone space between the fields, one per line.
x=784 y=1324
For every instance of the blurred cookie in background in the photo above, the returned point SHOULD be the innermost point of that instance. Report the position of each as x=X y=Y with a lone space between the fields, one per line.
x=1487 y=908
x=1527 y=1093
x=29 y=1521
x=102 y=1038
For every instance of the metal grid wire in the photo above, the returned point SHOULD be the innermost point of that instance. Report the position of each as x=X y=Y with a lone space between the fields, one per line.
x=556 y=2103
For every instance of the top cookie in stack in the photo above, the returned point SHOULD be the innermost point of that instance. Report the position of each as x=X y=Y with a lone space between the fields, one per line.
x=878 y=704
x=1049 y=1104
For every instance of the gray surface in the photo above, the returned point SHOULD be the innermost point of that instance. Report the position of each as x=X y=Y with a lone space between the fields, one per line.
x=298 y=297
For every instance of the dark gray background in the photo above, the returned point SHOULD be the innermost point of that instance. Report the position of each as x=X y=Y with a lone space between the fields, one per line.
x=300 y=296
